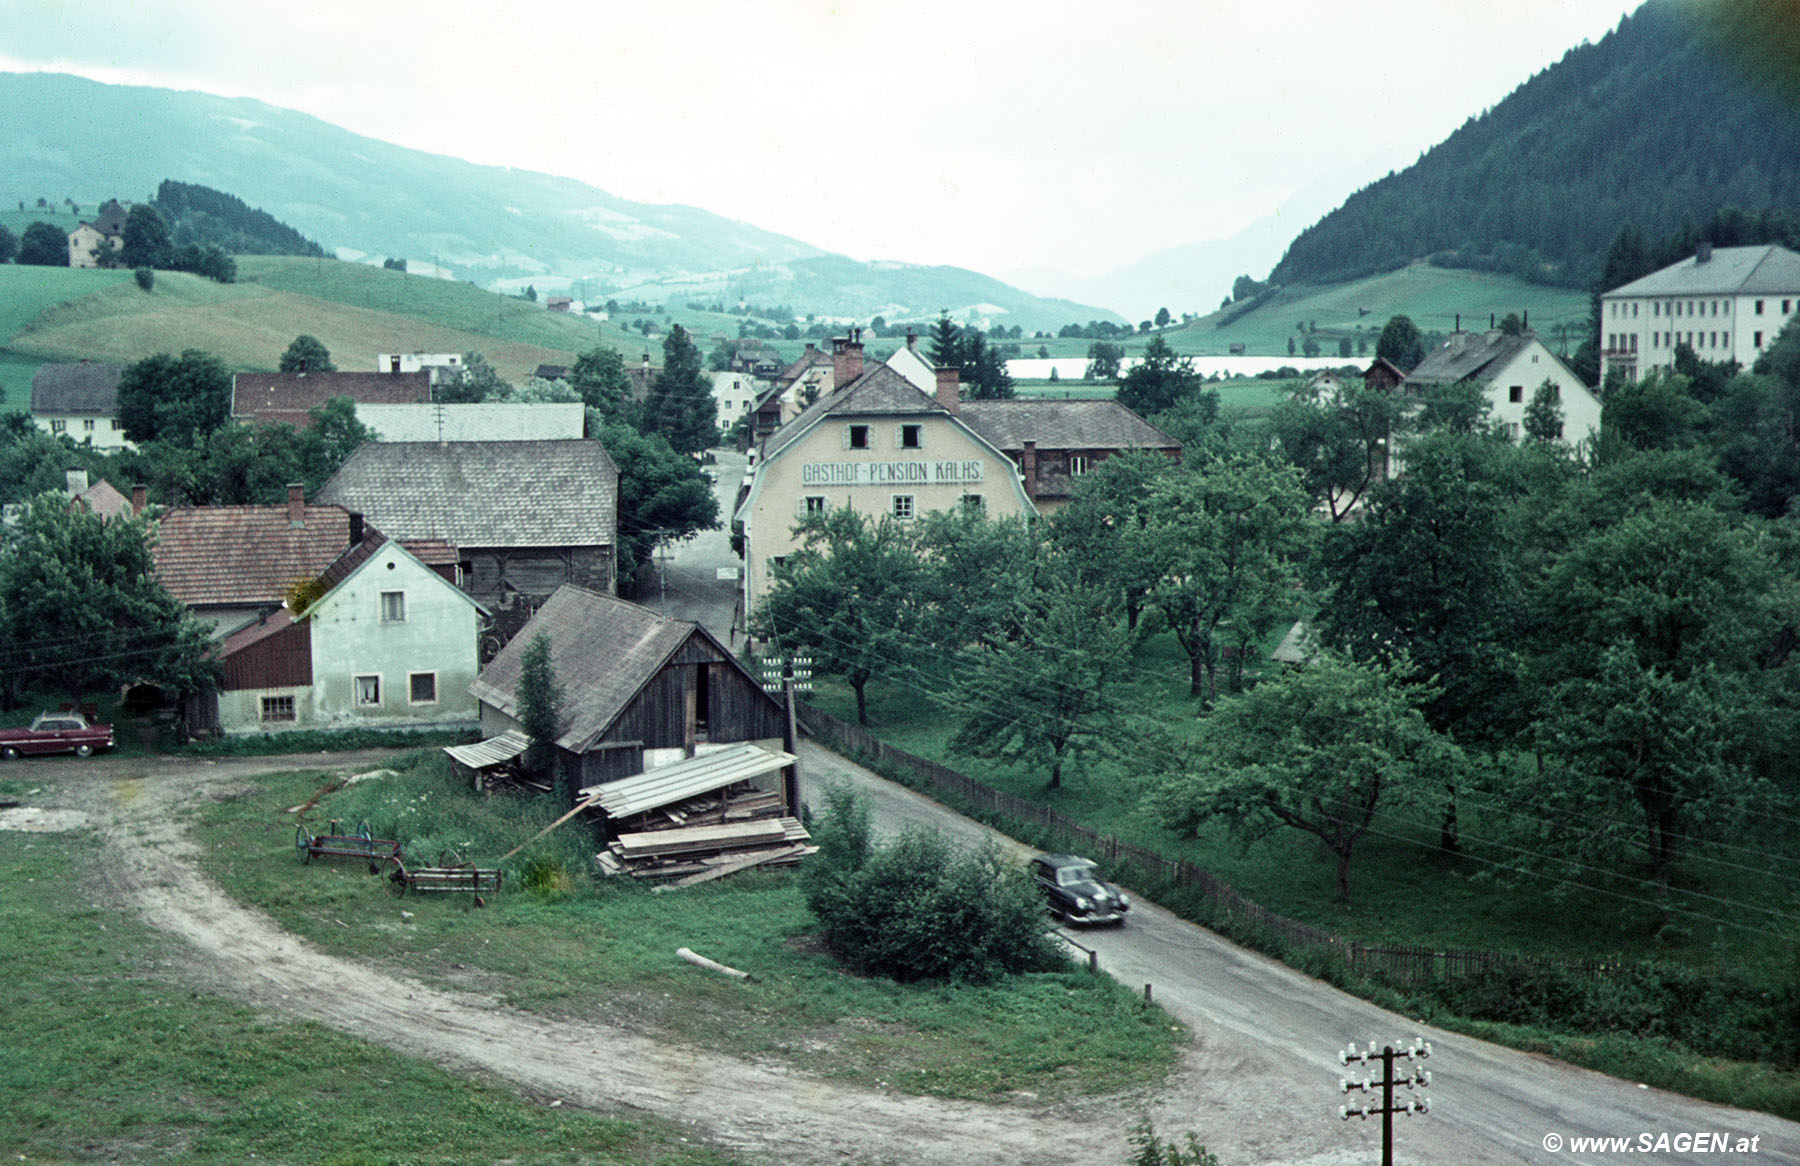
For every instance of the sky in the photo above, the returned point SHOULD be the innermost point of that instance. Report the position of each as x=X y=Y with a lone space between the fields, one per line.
x=999 y=136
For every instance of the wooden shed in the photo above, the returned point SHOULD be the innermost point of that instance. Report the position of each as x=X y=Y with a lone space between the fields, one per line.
x=638 y=690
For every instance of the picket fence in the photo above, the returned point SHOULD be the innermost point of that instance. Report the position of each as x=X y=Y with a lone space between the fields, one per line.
x=1397 y=964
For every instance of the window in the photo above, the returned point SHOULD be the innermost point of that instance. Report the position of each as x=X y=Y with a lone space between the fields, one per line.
x=115 y=425
x=1516 y=394
x=1079 y=464
x=975 y=503
x=1759 y=339
x=58 y=426
x=904 y=508
x=815 y=504
x=1784 y=306
x=856 y=437
x=912 y=437
x=393 y=607
x=1759 y=304
x=367 y=690
x=776 y=563
x=421 y=688
x=88 y=425
x=278 y=708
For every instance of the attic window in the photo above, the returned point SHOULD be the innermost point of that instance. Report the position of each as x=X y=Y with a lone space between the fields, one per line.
x=1516 y=394
x=393 y=607
x=856 y=437
x=912 y=437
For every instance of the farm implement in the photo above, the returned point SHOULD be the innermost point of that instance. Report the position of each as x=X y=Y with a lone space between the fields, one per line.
x=375 y=851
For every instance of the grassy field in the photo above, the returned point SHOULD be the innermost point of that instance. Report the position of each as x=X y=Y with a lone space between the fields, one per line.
x=114 y=1060
x=571 y=948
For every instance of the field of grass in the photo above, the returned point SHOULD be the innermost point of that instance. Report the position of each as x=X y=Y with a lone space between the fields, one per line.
x=113 y=1059
x=571 y=947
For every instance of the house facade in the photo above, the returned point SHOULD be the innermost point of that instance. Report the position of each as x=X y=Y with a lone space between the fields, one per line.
x=878 y=445
x=639 y=690
x=106 y=230
x=439 y=366
x=1509 y=369
x=734 y=393
x=80 y=402
x=390 y=643
x=1725 y=303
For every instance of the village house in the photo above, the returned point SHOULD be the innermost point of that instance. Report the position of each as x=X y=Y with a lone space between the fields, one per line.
x=1725 y=303
x=80 y=402
x=1509 y=370
x=876 y=444
x=1053 y=443
x=441 y=367
x=379 y=639
x=101 y=497
x=807 y=379
x=106 y=230
x=289 y=397
x=908 y=362
x=525 y=517
x=477 y=422
x=639 y=691
x=734 y=393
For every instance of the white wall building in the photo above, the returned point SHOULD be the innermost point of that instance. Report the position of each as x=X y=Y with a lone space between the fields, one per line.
x=1726 y=303
x=1510 y=369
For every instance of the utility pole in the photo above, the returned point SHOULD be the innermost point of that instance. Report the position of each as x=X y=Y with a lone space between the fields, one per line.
x=1415 y=1079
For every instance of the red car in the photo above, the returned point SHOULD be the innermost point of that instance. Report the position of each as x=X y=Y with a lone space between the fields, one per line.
x=56 y=733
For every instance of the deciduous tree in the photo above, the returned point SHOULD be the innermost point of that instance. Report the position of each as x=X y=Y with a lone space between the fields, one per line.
x=1159 y=380
x=43 y=245
x=1402 y=343
x=307 y=354
x=175 y=399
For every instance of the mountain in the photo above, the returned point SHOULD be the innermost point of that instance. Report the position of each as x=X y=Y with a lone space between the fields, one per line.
x=368 y=199
x=1685 y=108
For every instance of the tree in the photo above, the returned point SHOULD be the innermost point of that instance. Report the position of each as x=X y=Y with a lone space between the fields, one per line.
x=1221 y=536
x=1100 y=531
x=477 y=383
x=393 y=264
x=1037 y=698
x=82 y=609
x=145 y=277
x=540 y=700
x=599 y=377
x=1340 y=443
x=661 y=493
x=43 y=245
x=679 y=405
x=1159 y=380
x=1163 y=317
x=1402 y=343
x=9 y=244
x=946 y=342
x=175 y=399
x=1512 y=325
x=1310 y=347
x=846 y=598
x=984 y=374
x=1103 y=361
x=145 y=238
x=719 y=359
x=306 y=354
x=1543 y=416
x=1318 y=750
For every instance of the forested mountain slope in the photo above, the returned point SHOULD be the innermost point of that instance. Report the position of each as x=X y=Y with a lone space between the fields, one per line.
x=1677 y=113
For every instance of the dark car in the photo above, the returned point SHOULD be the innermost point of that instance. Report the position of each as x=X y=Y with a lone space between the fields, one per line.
x=1075 y=890
x=56 y=733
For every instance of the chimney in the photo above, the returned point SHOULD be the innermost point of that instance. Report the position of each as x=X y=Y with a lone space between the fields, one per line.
x=1703 y=253
x=140 y=495
x=1458 y=327
x=1028 y=468
x=357 y=529
x=912 y=341
x=77 y=481
x=1525 y=320
x=1491 y=324
x=296 y=504
x=949 y=387
x=846 y=359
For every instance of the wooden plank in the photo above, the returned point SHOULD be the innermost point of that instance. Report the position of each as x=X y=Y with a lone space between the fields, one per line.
x=691 y=838
x=720 y=870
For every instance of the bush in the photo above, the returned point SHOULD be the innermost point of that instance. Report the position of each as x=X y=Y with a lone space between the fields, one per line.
x=917 y=908
x=146 y=278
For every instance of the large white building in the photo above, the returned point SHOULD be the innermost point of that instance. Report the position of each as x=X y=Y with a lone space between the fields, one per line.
x=1726 y=303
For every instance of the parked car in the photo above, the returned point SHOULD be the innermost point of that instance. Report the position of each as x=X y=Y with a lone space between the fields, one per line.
x=56 y=733
x=1075 y=891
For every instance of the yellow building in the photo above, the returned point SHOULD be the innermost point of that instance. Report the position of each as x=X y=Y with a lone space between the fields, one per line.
x=876 y=443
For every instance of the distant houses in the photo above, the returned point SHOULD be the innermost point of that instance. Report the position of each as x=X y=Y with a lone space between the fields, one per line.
x=106 y=231
x=81 y=402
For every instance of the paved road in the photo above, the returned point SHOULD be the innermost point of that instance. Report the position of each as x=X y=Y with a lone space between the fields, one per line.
x=1275 y=1033
x=690 y=587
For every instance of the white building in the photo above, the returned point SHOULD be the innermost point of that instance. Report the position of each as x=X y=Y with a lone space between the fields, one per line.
x=435 y=363
x=1726 y=303
x=734 y=393
x=1509 y=369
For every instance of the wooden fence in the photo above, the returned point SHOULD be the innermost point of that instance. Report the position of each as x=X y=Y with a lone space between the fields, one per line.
x=1394 y=963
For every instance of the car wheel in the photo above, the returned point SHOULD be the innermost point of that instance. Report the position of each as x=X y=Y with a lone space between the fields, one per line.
x=84 y=750
x=9 y=753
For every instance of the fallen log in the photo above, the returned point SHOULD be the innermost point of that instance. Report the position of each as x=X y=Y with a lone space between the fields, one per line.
x=701 y=961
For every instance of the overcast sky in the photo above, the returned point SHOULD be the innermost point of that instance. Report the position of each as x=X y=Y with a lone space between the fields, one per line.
x=992 y=135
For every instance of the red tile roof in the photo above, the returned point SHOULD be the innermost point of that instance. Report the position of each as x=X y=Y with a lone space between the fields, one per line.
x=289 y=396
x=245 y=555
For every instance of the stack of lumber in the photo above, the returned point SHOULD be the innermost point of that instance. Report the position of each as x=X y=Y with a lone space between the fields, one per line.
x=691 y=854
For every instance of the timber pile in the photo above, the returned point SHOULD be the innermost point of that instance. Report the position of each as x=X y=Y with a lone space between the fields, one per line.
x=691 y=854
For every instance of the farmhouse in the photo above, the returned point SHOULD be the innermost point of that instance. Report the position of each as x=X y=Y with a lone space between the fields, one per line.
x=1055 y=442
x=525 y=516
x=107 y=230
x=638 y=690
x=1509 y=370
x=290 y=397
x=379 y=639
x=876 y=444
x=1725 y=303
x=80 y=402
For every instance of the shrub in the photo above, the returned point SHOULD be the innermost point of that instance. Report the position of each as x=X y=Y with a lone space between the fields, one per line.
x=917 y=908
x=146 y=278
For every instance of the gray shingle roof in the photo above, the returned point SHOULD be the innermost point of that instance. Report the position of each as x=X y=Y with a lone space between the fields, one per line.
x=878 y=392
x=1095 y=424
x=87 y=387
x=484 y=493
x=484 y=422
x=1477 y=356
x=1766 y=270
x=602 y=651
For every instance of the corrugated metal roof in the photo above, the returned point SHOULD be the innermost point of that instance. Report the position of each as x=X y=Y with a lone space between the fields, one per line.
x=668 y=784
x=493 y=751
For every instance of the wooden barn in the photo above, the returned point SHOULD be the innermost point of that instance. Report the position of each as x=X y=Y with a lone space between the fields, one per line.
x=639 y=691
